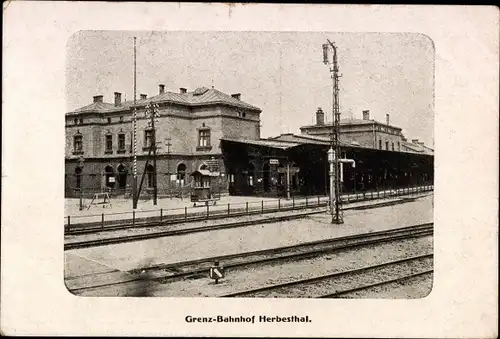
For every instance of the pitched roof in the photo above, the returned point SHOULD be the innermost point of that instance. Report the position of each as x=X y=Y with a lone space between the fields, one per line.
x=264 y=142
x=313 y=139
x=417 y=148
x=351 y=121
x=200 y=96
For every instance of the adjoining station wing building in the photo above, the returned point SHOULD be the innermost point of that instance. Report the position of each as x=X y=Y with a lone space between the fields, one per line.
x=205 y=132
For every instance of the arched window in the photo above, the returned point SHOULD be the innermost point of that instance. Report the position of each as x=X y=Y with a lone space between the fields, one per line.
x=78 y=174
x=122 y=176
x=251 y=174
x=150 y=175
x=109 y=174
x=181 y=174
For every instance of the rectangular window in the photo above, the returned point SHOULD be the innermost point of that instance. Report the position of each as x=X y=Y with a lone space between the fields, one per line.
x=399 y=146
x=77 y=144
x=392 y=146
x=387 y=145
x=148 y=138
x=121 y=142
x=380 y=144
x=109 y=143
x=204 y=138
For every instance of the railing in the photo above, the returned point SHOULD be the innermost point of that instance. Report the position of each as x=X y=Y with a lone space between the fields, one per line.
x=183 y=214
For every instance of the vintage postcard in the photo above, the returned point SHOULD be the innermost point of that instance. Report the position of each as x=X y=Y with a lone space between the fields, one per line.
x=235 y=180
x=265 y=164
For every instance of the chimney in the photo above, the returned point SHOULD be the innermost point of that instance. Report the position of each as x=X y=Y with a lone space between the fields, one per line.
x=415 y=141
x=144 y=96
x=237 y=96
x=387 y=119
x=183 y=90
x=98 y=98
x=118 y=99
x=366 y=115
x=320 y=117
x=162 y=88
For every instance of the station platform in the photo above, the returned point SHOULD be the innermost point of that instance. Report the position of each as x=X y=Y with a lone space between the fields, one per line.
x=138 y=254
x=121 y=209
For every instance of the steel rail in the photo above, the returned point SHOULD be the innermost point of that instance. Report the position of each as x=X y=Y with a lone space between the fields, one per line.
x=138 y=237
x=296 y=283
x=332 y=245
x=385 y=282
x=179 y=218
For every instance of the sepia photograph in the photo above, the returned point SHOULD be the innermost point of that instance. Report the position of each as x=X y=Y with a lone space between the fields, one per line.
x=249 y=170
x=249 y=164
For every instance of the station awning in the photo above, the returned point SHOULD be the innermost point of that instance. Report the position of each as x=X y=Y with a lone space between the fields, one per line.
x=283 y=145
x=206 y=173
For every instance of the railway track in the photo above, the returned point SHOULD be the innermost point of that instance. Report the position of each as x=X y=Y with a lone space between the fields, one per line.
x=344 y=282
x=346 y=292
x=151 y=235
x=94 y=227
x=194 y=269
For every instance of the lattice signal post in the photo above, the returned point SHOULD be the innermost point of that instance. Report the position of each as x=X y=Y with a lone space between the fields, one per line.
x=135 y=196
x=334 y=151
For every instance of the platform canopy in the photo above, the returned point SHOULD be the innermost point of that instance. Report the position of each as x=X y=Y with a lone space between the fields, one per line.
x=206 y=173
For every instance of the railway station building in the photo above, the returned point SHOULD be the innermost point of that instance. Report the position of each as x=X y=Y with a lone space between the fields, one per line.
x=205 y=133
x=99 y=153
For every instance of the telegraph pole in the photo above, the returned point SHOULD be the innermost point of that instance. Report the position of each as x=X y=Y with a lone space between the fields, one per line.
x=134 y=138
x=152 y=113
x=168 y=144
x=334 y=151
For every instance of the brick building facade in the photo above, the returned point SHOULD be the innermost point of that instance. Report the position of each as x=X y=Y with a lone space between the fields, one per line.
x=99 y=153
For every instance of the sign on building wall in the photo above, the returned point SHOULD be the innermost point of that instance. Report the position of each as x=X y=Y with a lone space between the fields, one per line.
x=274 y=162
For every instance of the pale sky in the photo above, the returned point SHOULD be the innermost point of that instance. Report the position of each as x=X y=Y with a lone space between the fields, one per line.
x=280 y=72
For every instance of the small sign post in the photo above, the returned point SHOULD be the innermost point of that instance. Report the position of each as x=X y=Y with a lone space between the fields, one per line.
x=81 y=161
x=216 y=272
